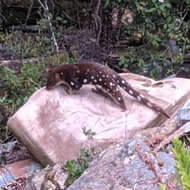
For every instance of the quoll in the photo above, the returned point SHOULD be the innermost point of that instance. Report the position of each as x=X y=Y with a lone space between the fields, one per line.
x=73 y=76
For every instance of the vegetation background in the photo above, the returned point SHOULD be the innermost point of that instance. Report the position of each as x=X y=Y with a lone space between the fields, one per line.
x=148 y=37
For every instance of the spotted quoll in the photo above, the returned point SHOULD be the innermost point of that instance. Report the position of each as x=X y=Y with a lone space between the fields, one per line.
x=73 y=76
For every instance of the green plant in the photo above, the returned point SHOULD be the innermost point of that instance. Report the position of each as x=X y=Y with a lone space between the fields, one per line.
x=182 y=157
x=155 y=23
x=89 y=133
x=16 y=88
x=27 y=46
x=76 y=168
x=162 y=187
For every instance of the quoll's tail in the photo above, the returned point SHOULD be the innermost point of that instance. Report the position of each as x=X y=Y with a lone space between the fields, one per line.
x=130 y=90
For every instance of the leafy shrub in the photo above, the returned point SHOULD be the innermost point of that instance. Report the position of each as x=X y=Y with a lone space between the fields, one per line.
x=27 y=46
x=156 y=23
x=76 y=168
x=183 y=163
x=16 y=89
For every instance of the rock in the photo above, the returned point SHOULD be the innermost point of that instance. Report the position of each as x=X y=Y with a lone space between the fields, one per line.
x=130 y=165
x=52 y=179
x=54 y=126
x=12 y=152
x=15 y=174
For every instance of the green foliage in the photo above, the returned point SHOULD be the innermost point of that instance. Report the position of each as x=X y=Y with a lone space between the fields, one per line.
x=59 y=20
x=76 y=168
x=15 y=89
x=155 y=23
x=89 y=133
x=162 y=187
x=183 y=163
x=27 y=46
x=155 y=20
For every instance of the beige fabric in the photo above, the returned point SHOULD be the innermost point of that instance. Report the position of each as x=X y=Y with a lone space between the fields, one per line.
x=51 y=123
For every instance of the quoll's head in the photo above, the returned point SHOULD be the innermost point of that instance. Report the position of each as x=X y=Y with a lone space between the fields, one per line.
x=53 y=79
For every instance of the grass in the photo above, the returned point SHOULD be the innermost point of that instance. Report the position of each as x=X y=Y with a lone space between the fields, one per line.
x=15 y=89
x=27 y=46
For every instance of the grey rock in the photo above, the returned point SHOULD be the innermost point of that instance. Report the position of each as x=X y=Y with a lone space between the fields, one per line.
x=52 y=179
x=127 y=166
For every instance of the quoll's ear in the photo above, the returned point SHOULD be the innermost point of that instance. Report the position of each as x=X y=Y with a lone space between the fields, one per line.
x=49 y=67
x=47 y=70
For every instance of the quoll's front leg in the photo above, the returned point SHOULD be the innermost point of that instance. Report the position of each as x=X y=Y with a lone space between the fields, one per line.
x=69 y=90
x=72 y=91
x=74 y=85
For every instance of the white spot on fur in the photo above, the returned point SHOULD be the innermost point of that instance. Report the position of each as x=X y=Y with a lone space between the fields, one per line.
x=103 y=76
x=112 y=84
x=95 y=80
x=118 y=81
x=142 y=96
x=131 y=92
x=72 y=83
x=139 y=98
x=87 y=70
x=85 y=81
x=123 y=81
x=119 y=98
x=78 y=71
x=114 y=76
x=92 y=77
x=61 y=74
x=107 y=76
x=117 y=89
x=100 y=79
x=149 y=104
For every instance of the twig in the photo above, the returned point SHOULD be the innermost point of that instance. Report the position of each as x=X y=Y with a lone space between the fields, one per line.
x=46 y=9
x=178 y=133
x=64 y=12
x=182 y=19
x=119 y=23
x=29 y=11
x=97 y=21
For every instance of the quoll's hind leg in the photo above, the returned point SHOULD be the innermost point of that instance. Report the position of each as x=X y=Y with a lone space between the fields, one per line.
x=119 y=100
x=100 y=90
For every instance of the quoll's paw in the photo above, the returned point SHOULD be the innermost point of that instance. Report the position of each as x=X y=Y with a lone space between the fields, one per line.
x=71 y=91
x=99 y=90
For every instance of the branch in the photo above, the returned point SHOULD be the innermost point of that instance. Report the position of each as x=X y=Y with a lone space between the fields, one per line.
x=97 y=20
x=29 y=11
x=46 y=9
